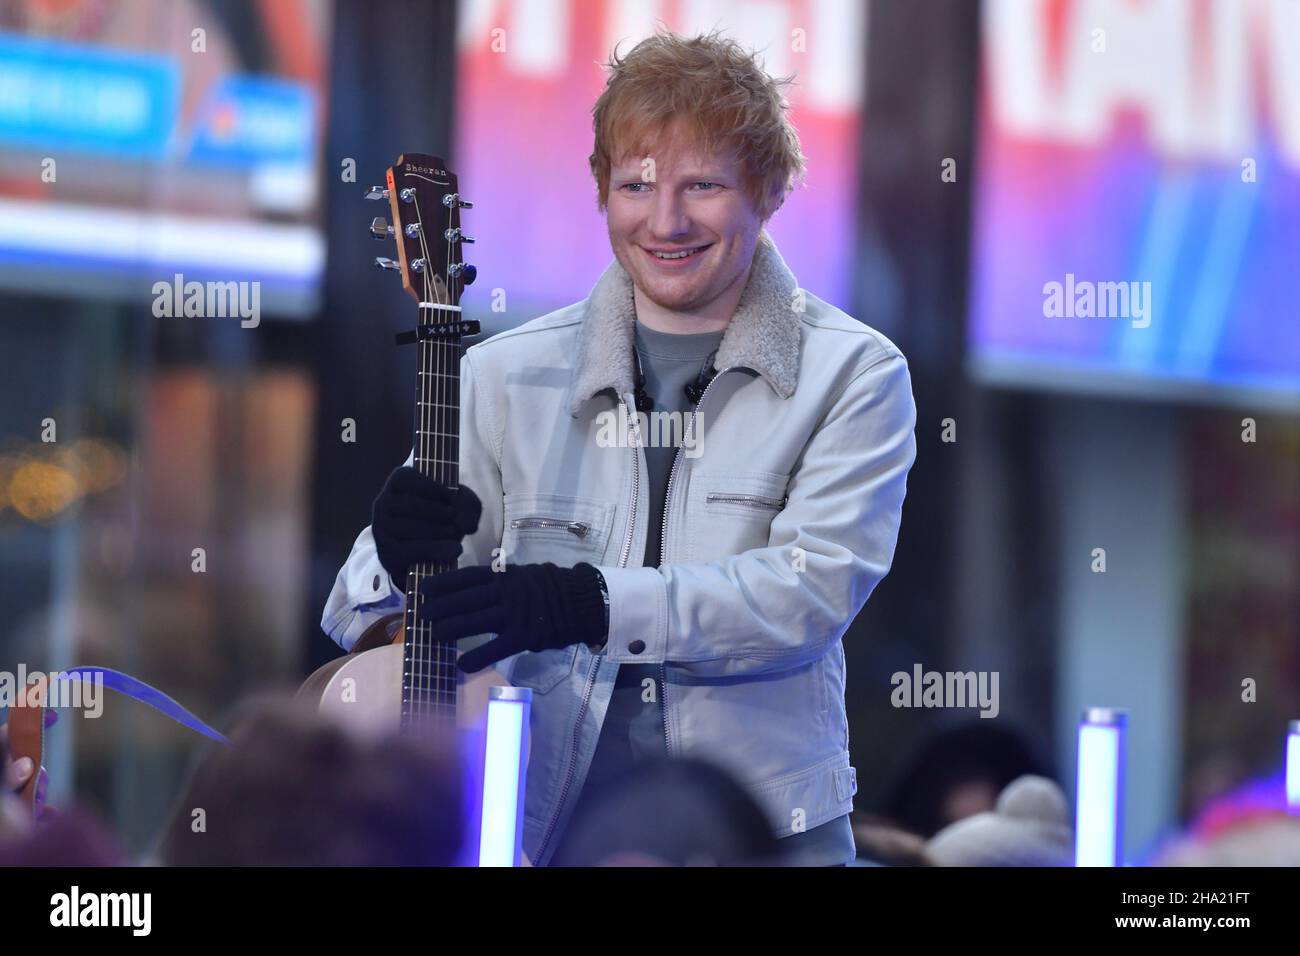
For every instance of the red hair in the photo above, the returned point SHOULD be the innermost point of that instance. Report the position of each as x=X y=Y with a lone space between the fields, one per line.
x=712 y=91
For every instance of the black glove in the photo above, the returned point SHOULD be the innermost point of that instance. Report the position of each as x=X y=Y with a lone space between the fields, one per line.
x=530 y=607
x=417 y=519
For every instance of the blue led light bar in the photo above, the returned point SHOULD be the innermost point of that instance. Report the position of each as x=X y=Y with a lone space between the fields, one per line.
x=502 y=829
x=1293 y=767
x=1099 y=804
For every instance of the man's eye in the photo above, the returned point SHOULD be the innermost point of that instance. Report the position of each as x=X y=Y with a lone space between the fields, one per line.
x=634 y=187
x=704 y=185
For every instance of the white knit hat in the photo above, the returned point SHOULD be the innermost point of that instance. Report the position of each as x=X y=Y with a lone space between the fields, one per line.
x=1029 y=827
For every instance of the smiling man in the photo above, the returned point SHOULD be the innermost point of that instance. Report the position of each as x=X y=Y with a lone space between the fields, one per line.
x=656 y=602
x=683 y=224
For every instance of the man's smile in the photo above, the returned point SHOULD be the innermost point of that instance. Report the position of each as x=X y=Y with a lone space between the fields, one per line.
x=670 y=258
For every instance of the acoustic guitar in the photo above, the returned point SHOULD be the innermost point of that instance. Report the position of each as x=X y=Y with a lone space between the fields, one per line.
x=398 y=676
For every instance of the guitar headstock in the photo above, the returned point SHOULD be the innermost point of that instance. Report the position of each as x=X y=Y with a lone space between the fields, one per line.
x=425 y=204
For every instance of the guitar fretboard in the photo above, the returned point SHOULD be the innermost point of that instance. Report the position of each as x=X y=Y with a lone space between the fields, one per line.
x=429 y=674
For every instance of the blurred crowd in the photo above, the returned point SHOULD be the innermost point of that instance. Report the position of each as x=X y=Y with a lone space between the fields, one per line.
x=293 y=789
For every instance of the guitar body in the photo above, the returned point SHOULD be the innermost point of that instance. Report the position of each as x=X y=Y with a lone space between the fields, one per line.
x=364 y=689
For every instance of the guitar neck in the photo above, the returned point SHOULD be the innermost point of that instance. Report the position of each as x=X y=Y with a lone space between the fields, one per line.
x=429 y=673
x=425 y=205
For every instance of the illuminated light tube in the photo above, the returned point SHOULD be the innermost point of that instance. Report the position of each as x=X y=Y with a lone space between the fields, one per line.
x=1293 y=767
x=1099 y=801
x=502 y=830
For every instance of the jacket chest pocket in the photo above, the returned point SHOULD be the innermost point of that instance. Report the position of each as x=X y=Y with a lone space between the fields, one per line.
x=732 y=512
x=562 y=529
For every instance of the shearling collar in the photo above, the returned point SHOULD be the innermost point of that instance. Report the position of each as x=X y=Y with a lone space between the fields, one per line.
x=763 y=334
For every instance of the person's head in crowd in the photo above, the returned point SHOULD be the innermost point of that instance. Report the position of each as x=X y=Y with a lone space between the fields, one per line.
x=959 y=772
x=672 y=813
x=1249 y=825
x=1259 y=840
x=1260 y=796
x=1029 y=826
x=70 y=837
x=295 y=790
x=880 y=843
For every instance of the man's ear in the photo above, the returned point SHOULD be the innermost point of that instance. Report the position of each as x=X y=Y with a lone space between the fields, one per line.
x=780 y=201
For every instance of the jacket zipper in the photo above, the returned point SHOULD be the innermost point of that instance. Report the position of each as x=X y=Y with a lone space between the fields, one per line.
x=595 y=660
x=663 y=542
x=636 y=481
x=754 y=501
x=580 y=528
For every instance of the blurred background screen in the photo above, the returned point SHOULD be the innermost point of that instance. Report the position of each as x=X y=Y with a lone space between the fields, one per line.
x=184 y=147
x=1118 y=152
x=179 y=492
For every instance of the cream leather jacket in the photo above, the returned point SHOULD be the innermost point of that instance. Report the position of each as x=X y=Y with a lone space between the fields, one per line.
x=775 y=533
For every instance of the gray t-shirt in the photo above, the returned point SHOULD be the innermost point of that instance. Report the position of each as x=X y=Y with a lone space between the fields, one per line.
x=634 y=725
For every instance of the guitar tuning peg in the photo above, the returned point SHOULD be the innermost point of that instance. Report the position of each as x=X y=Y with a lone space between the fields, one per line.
x=379 y=228
x=376 y=192
x=463 y=271
x=388 y=265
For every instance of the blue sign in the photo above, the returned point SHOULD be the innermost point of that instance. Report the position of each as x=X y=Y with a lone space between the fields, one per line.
x=65 y=96
x=251 y=121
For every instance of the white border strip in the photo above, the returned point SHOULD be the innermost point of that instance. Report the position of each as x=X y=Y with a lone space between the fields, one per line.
x=147 y=239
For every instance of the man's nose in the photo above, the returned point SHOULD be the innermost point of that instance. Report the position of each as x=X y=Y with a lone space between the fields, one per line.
x=669 y=219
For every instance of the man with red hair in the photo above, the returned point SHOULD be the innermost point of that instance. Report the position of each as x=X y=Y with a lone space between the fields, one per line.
x=683 y=595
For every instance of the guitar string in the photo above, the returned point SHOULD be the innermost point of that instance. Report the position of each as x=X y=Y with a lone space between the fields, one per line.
x=414 y=648
x=419 y=672
x=449 y=349
x=433 y=647
x=446 y=347
x=447 y=667
x=441 y=428
x=444 y=351
x=430 y=414
x=447 y=654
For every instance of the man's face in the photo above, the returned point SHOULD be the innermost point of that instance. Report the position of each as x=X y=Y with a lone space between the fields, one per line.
x=693 y=204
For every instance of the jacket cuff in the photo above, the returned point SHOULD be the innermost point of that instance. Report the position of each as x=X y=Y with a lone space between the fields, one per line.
x=581 y=586
x=638 y=615
x=363 y=593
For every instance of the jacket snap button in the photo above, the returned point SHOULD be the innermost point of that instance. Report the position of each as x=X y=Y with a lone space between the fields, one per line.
x=375 y=585
x=636 y=647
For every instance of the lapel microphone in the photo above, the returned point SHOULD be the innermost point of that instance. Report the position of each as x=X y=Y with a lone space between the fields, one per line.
x=644 y=402
x=694 y=390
